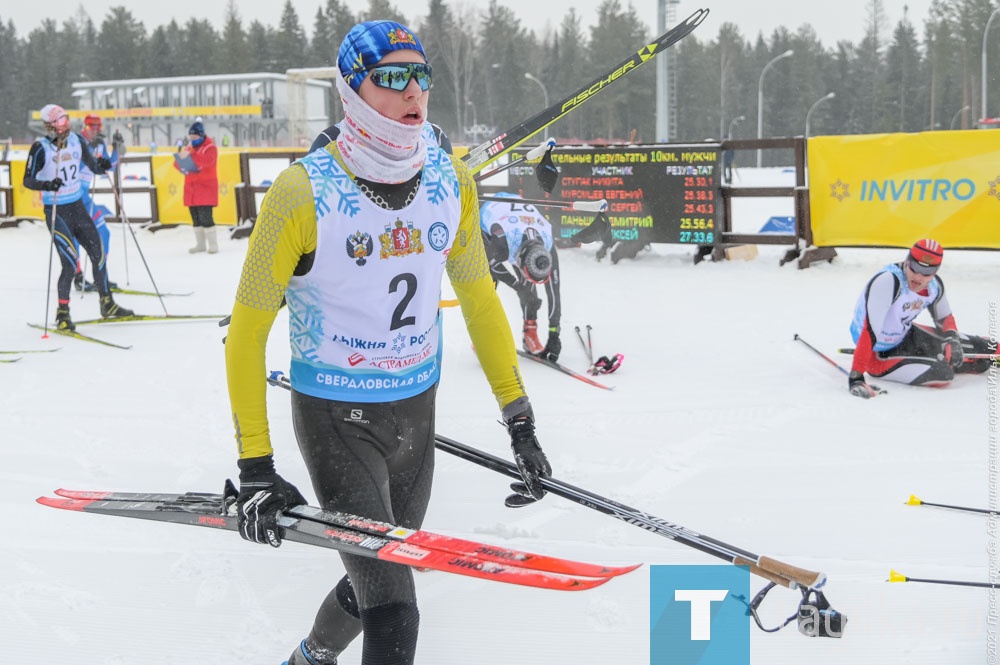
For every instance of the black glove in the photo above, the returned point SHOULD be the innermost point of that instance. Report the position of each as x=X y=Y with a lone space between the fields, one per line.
x=859 y=388
x=553 y=347
x=528 y=455
x=52 y=185
x=263 y=496
x=104 y=163
x=952 y=349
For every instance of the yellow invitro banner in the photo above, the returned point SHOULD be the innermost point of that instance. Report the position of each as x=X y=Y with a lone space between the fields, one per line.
x=892 y=189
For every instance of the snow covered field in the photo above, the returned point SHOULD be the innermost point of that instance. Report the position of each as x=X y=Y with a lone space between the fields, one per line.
x=719 y=422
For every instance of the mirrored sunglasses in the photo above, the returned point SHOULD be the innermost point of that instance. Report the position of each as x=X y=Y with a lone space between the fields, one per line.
x=397 y=75
x=921 y=268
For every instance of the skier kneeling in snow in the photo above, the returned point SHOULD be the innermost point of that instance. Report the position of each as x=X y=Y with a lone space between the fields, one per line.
x=889 y=345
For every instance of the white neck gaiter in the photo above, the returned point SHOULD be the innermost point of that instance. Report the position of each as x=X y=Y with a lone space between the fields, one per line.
x=375 y=147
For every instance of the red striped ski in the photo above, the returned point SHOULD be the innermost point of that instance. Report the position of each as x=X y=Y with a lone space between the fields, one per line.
x=421 y=538
x=354 y=535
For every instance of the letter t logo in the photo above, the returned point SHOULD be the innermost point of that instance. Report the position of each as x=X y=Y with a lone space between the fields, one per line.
x=701 y=609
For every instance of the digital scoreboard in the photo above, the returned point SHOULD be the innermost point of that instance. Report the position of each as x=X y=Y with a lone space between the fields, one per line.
x=664 y=193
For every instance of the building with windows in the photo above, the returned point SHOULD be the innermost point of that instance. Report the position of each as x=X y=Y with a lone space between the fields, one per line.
x=255 y=109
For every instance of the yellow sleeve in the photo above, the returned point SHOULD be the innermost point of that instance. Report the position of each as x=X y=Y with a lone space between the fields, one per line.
x=469 y=272
x=285 y=230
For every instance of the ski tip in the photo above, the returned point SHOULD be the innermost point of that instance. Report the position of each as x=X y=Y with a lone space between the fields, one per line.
x=615 y=571
x=914 y=501
x=896 y=577
x=63 y=504
x=81 y=494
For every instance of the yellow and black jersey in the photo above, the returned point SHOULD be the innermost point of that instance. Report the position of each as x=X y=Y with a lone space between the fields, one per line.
x=285 y=238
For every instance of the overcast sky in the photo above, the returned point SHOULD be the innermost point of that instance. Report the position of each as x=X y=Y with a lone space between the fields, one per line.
x=833 y=21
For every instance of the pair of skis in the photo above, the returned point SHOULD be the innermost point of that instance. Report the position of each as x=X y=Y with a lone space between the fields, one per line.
x=916 y=501
x=76 y=334
x=353 y=534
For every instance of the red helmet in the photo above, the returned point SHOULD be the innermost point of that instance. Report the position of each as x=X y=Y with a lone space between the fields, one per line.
x=92 y=120
x=925 y=256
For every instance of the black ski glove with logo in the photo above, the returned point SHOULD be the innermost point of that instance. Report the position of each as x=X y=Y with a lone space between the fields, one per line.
x=531 y=461
x=262 y=498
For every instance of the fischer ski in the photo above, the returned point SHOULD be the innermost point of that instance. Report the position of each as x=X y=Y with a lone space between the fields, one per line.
x=80 y=336
x=149 y=317
x=498 y=146
x=352 y=534
x=565 y=370
x=10 y=360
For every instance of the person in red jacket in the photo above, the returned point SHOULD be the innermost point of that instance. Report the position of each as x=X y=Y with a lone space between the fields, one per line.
x=201 y=186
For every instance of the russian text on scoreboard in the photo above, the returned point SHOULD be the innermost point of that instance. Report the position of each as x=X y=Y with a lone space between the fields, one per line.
x=665 y=194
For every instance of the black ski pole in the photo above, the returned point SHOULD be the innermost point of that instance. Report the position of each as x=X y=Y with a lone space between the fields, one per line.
x=135 y=239
x=590 y=347
x=971 y=356
x=821 y=354
x=580 y=206
x=916 y=501
x=52 y=249
x=899 y=577
x=775 y=571
x=586 y=350
x=873 y=389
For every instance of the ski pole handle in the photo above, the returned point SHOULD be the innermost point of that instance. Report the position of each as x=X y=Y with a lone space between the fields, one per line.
x=539 y=152
x=591 y=206
x=783 y=573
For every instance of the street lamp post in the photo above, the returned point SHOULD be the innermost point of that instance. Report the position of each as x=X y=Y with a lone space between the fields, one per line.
x=829 y=95
x=760 y=99
x=958 y=113
x=545 y=95
x=986 y=32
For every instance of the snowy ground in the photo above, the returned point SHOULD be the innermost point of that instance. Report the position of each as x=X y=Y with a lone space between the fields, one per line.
x=719 y=422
